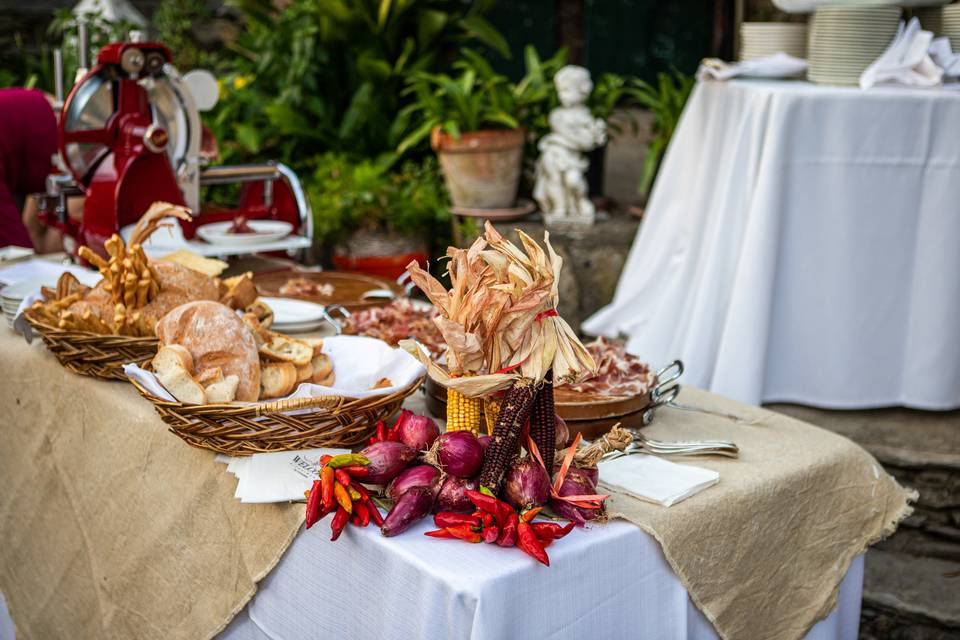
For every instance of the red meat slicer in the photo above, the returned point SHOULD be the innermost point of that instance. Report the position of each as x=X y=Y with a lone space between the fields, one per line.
x=130 y=134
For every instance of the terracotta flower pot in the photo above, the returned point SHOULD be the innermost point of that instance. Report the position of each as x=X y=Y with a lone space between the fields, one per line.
x=482 y=168
x=379 y=252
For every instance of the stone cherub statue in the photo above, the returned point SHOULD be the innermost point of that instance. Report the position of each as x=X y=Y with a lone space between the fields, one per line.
x=561 y=187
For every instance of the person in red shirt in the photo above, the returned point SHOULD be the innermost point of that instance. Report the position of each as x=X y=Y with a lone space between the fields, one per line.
x=28 y=140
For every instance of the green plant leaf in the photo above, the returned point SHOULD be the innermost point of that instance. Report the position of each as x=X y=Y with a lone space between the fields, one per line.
x=486 y=33
x=383 y=13
x=430 y=23
x=248 y=136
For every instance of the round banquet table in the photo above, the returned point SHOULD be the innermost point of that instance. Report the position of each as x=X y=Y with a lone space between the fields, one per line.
x=800 y=245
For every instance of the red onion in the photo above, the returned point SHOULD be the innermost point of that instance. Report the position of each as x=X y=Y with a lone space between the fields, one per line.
x=574 y=485
x=527 y=485
x=563 y=432
x=387 y=460
x=484 y=440
x=412 y=506
x=590 y=475
x=421 y=475
x=453 y=494
x=457 y=453
x=416 y=431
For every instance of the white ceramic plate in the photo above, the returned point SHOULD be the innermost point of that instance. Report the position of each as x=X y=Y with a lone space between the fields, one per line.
x=264 y=231
x=287 y=311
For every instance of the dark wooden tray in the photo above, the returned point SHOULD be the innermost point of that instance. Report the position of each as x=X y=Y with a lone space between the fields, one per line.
x=348 y=287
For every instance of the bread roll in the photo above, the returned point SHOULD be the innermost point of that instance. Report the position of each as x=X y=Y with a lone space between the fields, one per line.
x=304 y=372
x=215 y=337
x=286 y=349
x=322 y=367
x=240 y=292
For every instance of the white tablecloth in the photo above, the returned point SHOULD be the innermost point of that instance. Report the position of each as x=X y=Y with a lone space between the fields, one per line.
x=801 y=245
x=609 y=582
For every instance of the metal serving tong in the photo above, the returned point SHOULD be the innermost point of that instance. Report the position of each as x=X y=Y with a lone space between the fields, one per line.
x=642 y=444
x=666 y=392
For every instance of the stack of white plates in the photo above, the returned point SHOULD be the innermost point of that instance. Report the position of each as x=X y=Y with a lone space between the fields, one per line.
x=11 y=296
x=762 y=39
x=295 y=316
x=943 y=21
x=845 y=40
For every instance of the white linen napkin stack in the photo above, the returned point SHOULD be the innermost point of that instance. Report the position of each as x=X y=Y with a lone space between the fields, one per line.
x=282 y=476
x=654 y=479
x=906 y=62
x=778 y=65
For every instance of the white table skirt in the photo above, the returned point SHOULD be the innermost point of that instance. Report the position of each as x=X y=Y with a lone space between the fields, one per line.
x=800 y=245
x=609 y=582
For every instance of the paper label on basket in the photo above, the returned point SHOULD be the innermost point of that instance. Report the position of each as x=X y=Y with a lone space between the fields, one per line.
x=359 y=364
x=282 y=476
x=655 y=479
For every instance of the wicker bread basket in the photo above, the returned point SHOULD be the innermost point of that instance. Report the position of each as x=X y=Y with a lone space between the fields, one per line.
x=93 y=354
x=240 y=430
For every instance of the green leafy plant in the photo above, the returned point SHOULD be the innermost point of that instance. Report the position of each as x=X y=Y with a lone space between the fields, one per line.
x=477 y=98
x=349 y=194
x=665 y=102
x=328 y=74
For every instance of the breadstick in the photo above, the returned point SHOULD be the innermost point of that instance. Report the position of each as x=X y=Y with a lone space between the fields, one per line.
x=93 y=258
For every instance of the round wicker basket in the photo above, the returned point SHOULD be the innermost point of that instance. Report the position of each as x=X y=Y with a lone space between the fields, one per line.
x=284 y=425
x=93 y=354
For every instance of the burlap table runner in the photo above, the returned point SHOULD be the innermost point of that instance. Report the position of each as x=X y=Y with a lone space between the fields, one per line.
x=763 y=552
x=110 y=526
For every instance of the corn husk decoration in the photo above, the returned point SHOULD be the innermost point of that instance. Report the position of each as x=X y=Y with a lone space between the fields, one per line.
x=502 y=331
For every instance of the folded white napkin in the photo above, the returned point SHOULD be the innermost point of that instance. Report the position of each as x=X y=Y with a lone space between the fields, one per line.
x=276 y=477
x=358 y=364
x=943 y=56
x=906 y=62
x=778 y=65
x=654 y=479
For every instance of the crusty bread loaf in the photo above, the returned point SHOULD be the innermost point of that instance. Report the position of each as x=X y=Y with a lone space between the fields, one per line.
x=178 y=285
x=97 y=302
x=215 y=337
x=172 y=366
x=277 y=379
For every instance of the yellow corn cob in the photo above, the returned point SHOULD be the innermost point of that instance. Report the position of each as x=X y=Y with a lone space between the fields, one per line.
x=463 y=413
x=491 y=409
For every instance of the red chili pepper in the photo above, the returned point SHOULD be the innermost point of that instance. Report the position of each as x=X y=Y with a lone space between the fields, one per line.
x=464 y=532
x=485 y=503
x=527 y=541
x=551 y=530
x=487 y=520
x=530 y=514
x=313 y=504
x=359 y=488
x=374 y=512
x=339 y=522
x=508 y=532
x=342 y=477
x=343 y=497
x=324 y=459
x=439 y=533
x=490 y=534
x=505 y=512
x=545 y=542
x=326 y=482
x=450 y=519
x=381 y=431
x=360 y=510
x=355 y=520
x=357 y=471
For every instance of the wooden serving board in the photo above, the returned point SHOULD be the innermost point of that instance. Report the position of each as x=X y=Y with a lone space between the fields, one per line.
x=589 y=414
x=348 y=287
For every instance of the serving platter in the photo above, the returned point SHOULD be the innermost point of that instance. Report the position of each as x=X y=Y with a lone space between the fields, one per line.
x=349 y=288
